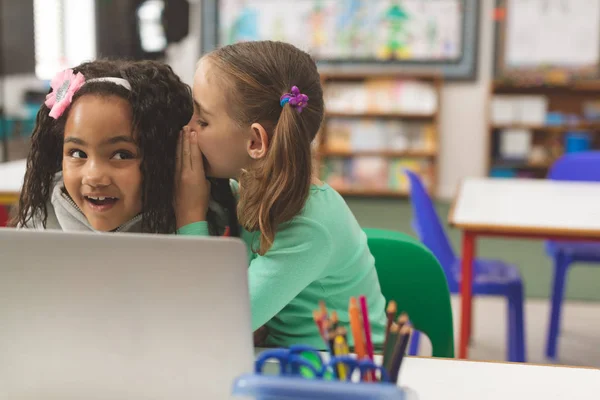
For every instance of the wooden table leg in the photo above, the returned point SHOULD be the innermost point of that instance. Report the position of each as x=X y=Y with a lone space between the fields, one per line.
x=466 y=289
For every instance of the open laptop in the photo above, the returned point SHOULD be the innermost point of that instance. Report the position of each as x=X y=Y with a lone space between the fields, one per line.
x=122 y=316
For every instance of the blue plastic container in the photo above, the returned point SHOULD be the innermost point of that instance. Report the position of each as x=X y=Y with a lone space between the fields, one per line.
x=577 y=142
x=268 y=387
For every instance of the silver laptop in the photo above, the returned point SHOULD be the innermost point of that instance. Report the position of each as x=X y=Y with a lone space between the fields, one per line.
x=122 y=316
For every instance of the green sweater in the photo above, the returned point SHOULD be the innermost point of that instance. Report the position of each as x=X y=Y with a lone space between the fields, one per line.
x=321 y=254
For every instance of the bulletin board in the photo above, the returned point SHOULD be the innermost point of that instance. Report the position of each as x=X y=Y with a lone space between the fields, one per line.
x=547 y=41
x=428 y=35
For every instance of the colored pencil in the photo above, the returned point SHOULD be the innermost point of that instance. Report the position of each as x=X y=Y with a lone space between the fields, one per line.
x=319 y=322
x=391 y=314
x=330 y=335
x=367 y=327
x=399 y=351
x=402 y=320
x=334 y=320
x=357 y=329
x=340 y=349
x=390 y=343
x=323 y=310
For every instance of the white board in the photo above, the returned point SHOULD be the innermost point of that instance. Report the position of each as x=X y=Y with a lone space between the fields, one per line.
x=563 y=33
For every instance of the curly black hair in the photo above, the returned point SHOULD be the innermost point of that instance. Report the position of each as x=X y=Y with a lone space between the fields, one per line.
x=161 y=104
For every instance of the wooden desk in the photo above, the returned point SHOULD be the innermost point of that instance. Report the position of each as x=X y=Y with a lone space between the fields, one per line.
x=540 y=209
x=11 y=181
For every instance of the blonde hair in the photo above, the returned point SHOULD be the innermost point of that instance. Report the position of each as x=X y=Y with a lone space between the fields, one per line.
x=257 y=74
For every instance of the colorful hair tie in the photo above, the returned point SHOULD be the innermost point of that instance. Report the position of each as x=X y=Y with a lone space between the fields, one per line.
x=295 y=99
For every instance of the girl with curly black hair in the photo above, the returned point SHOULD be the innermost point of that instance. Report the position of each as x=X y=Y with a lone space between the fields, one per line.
x=102 y=151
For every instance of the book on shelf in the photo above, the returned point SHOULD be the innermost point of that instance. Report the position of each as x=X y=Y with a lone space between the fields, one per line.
x=349 y=135
x=374 y=173
x=335 y=171
x=369 y=173
x=397 y=176
x=384 y=96
x=519 y=109
x=339 y=133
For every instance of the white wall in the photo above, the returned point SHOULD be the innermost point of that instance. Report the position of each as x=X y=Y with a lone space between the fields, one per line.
x=463 y=123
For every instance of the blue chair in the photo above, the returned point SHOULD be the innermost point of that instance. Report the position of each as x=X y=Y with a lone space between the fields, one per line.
x=571 y=167
x=490 y=277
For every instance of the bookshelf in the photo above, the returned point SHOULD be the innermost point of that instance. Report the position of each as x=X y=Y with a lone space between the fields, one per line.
x=531 y=125
x=376 y=125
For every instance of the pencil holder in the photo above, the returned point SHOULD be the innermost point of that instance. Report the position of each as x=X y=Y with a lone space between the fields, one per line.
x=266 y=387
x=300 y=373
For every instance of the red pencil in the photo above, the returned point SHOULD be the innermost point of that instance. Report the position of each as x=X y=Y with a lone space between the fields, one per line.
x=319 y=322
x=367 y=326
x=324 y=313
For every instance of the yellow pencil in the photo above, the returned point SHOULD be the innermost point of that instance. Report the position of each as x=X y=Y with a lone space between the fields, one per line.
x=340 y=349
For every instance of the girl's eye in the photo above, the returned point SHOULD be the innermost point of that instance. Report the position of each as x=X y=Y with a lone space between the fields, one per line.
x=202 y=123
x=123 y=155
x=77 y=154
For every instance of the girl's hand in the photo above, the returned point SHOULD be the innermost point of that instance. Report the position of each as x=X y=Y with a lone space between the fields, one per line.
x=260 y=336
x=192 y=189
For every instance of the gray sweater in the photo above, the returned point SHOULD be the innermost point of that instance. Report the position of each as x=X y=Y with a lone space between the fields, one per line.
x=64 y=215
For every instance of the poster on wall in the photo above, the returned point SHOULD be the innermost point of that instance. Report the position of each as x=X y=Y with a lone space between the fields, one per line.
x=435 y=34
x=548 y=40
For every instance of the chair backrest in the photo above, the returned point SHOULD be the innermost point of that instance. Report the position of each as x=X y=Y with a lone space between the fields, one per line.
x=428 y=226
x=583 y=166
x=410 y=275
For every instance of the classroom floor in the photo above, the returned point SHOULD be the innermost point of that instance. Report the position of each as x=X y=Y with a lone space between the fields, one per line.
x=579 y=343
x=583 y=282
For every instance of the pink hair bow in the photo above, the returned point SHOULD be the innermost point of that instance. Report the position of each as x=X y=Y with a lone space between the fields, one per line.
x=64 y=85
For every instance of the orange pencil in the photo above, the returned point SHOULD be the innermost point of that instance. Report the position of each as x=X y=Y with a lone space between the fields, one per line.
x=319 y=322
x=357 y=329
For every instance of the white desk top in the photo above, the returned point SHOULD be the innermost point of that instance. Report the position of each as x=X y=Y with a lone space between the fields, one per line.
x=11 y=176
x=452 y=379
x=527 y=206
x=434 y=379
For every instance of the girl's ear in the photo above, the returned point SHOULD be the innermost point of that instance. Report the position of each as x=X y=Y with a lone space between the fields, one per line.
x=258 y=143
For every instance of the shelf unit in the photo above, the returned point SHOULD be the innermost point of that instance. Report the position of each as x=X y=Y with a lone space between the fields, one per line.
x=426 y=157
x=549 y=139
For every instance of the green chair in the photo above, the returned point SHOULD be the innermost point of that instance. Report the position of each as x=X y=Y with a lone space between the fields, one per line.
x=410 y=275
